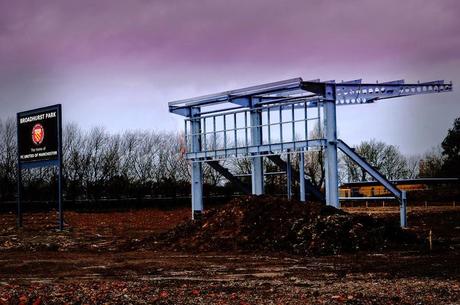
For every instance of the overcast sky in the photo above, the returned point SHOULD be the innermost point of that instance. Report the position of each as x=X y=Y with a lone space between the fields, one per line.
x=117 y=63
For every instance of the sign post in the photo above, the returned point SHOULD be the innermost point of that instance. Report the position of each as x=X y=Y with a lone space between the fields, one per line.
x=39 y=133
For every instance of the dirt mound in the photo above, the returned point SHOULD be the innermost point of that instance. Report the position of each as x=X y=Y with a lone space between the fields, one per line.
x=275 y=224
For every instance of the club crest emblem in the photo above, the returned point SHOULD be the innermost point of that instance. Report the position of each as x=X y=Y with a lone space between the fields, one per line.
x=38 y=134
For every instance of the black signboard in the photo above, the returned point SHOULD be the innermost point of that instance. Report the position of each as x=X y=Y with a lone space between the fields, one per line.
x=38 y=134
x=39 y=145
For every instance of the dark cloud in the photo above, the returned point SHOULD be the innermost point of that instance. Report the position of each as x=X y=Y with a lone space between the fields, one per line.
x=68 y=33
x=143 y=53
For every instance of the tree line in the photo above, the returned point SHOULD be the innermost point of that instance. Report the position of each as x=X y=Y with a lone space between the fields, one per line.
x=138 y=164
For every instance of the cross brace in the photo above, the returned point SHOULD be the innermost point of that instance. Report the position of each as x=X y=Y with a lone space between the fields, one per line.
x=230 y=177
x=401 y=195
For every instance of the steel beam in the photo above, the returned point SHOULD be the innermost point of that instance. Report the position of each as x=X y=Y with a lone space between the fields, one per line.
x=326 y=179
x=348 y=93
x=403 y=209
x=289 y=176
x=332 y=181
x=235 y=95
x=230 y=177
x=401 y=195
x=368 y=168
x=303 y=196
x=257 y=166
x=265 y=149
x=197 y=168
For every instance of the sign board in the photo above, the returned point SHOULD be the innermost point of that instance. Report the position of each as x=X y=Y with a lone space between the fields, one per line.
x=40 y=144
x=38 y=134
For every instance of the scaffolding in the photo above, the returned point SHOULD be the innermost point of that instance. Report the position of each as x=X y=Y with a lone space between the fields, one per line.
x=285 y=117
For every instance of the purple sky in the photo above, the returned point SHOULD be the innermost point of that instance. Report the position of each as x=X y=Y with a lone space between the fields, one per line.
x=118 y=63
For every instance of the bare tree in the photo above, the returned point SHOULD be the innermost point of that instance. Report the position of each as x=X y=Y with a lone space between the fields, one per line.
x=128 y=149
x=413 y=166
x=137 y=163
x=75 y=161
x=385 y=158
x=431 y=163
x=146 y=164
x=111 y=158
x=8 y=157
x=95 y=150
x=176 y=164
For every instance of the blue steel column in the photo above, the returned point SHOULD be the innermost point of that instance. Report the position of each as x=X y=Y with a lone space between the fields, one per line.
x=403 y=210
x=257 y=166
x=302 y=175
x=332 y=182
x=289 y=176
x=326 y=174
x=197 y=169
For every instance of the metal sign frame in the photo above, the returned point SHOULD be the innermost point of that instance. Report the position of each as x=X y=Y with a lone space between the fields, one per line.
x=56 y=162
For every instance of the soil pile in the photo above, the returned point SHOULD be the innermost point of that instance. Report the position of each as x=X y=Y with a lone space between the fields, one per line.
x=264 y=223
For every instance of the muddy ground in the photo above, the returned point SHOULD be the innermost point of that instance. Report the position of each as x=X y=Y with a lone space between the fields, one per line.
x=98 y=260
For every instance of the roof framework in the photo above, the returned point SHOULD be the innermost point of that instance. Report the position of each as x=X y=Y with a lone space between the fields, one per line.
x=346 y=93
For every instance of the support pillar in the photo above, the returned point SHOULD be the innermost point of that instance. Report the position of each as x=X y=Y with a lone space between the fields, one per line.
x=61 y=178
x=257 y=166
x=197 y=169
x=60 y=209
x=403 y=209
x=289 y=176
x=302 y=197
x=326 y=179
x=332 y=182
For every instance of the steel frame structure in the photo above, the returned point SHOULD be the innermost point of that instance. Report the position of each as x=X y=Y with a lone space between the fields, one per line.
x=285 y=117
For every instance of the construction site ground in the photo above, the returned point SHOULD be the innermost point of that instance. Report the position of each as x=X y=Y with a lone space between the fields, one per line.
x=93 y=261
